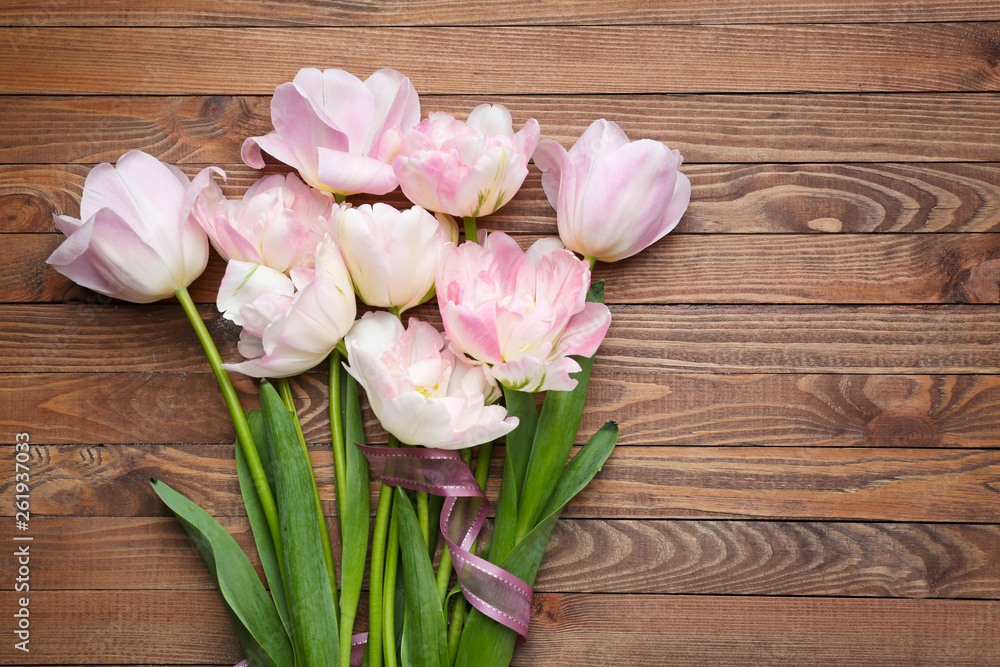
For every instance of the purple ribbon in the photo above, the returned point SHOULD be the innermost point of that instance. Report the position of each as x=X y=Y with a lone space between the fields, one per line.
x=492 y=590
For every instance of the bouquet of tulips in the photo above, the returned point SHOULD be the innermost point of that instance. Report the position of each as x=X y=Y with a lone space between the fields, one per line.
x=516 y=323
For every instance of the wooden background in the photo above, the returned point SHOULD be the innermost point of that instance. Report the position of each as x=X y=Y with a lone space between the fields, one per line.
x=806 y=372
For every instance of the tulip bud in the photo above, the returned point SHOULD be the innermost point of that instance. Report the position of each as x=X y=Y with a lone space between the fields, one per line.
x=521 y=313
x=392 y=254
x=612 y=197
x=465 y=169
x=135 y=239
x=420 y=390
x=339 y=133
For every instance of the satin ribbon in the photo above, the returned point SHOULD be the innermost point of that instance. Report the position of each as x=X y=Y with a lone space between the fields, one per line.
x=489 y=588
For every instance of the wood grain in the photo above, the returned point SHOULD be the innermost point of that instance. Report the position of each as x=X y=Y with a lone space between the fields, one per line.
x=726 y=199
x=429 y=12
x=553 y=60
x=571 y=630
x=852 y=484
x=121 y=627
x=705 y=128
x=77 y=337
x=958 y=411
x=597 y=556
x=143 y=627
x=729 y=268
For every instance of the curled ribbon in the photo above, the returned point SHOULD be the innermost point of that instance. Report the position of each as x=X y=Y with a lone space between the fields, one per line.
x=489 y=588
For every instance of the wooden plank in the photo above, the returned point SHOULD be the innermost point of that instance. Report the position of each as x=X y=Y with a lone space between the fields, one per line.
x=561 y=60
x=695 y=268
x=76 y=337
x=782 y=483
x=705 y=128
x=597 y=556
x=726 y=199
x=957 y=411
x=116 y=627
x=572 y=630
x=567 y=629
x=241 y=13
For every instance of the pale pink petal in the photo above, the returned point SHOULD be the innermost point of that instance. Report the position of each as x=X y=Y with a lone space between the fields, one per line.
x=552 y=159
x=244 y=282
x=107 y=256
x=585 y=331
x=348 y=173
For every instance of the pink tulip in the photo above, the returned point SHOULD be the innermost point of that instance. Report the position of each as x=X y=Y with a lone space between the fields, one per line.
x=135 y=239
x=339 y=133
x=521 y=313
x=295 y=324
x=419 y=389
x=279 y=222
x=392 y=255
x=465 y=169
x=613 y=198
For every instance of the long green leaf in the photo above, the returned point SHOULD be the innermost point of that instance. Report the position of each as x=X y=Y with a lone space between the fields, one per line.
x=424 y=631
x=554 y=436
x=486 y=643
x=356 y=506
x=258 y=626
x=308 y=589
x=258 y=522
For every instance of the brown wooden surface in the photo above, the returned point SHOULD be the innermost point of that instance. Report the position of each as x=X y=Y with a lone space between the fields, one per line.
x=806 y=373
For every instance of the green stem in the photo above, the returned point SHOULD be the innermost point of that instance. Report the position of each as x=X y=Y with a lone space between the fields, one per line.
x=389 y=598
x=339 y=198
x=592 y=260
x=470 y=228
x=236 y=414
x=455 y=628
x=375 y=579
x=423 y=516
x=395 y=311
x=285 y=391
x=483 y=464
x=337 y=438
x=444 y=572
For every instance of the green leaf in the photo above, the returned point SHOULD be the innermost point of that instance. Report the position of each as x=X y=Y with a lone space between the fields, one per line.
x=554 y=437
x=505 y=523
x=254 y=616
x=485 y=642
x=356 y=506
x=424 y=629
x=308 y=589
x=258 y=522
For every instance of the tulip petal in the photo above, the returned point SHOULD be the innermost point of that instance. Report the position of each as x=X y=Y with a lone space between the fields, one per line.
x=102 y=255
x=244 y=283
x=552 y=159
x=347 y=173
x=585 y=331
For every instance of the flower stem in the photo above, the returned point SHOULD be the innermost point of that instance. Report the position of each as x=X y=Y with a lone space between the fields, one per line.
x=375 y=579
x=591 y=260
x=339 y=198
x=285 y=391
x=389 y=594
x=483 y=464
x=423 y=517
x=395 y=311
x=243 y=436
x=337 y=438
x=470 y=228
x=444 y=572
